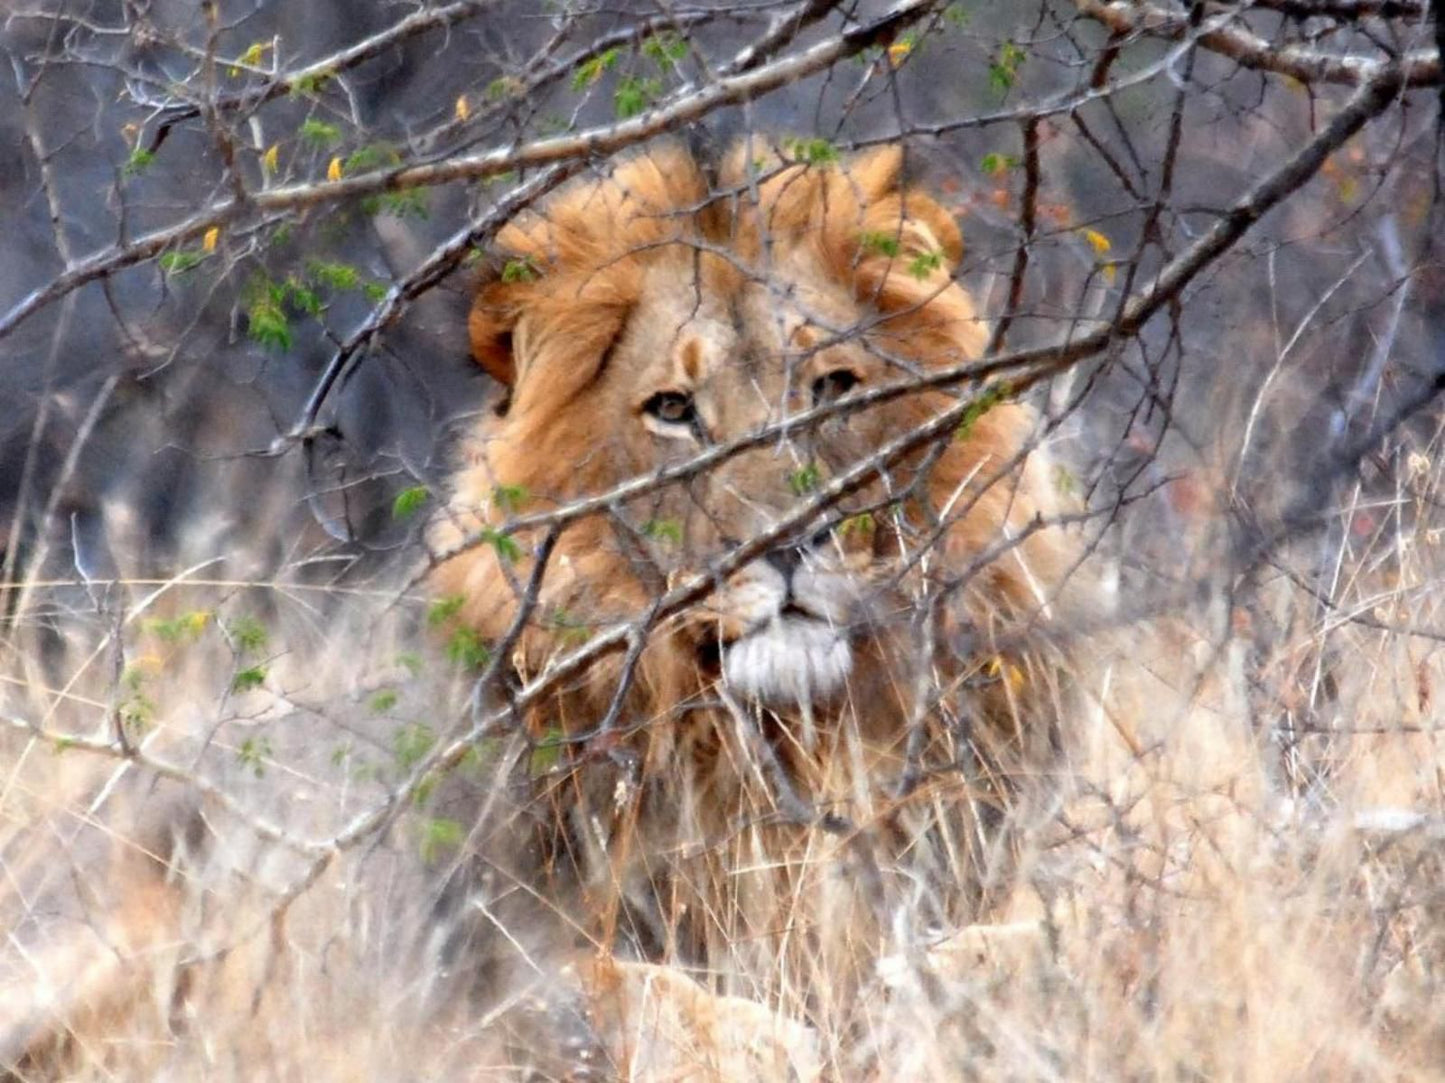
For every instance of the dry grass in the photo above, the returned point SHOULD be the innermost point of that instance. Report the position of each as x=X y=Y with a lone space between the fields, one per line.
x=1233 y=873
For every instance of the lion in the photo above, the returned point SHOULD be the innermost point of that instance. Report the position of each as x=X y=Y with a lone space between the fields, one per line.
x=755 y=781
x=810 y=761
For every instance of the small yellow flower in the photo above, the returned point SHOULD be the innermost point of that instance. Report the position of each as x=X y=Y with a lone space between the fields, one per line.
x=268 y=160
x=208 y=242
x=252 y=56
x=464 y=108
x=195 y=621
x=1097 y=241
x=1101 y=246
x=333 y=171
x=1012 y=676
x=898 y=52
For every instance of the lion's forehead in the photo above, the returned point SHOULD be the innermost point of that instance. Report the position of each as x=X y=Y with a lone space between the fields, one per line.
x=726 y=334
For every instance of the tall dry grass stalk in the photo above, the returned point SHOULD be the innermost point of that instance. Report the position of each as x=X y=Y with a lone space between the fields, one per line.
x=1233 y=873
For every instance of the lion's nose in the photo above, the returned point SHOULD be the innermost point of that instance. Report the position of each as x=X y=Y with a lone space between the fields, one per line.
x=785 y=559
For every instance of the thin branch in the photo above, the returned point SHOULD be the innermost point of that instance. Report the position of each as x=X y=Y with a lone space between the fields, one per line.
x=588 y=143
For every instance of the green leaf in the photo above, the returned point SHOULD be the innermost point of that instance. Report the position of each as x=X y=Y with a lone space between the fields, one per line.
x=409 y=204
x=507 y=176
x=382 y=701
x=439 y=837
x=520 y=270
x=139 y=159
x=998 y=163
x=859 y=524
x=805 y=479
x=303 y=297
x=375 y=292
x=668 y=530
x=334 y=276
x=589 y=71
x=253 y=753
x=572 y=628
x=503 y=86
x=424 y=789
x=409 y=661
x=136 y=713
x=249 y=678
x=478 y=757
x=665 y=50
x=633 y=95
x=410 y=744
x=310 y=84
x=547 y=752
x=816 y=151
x=248 y=634
x=879 y=243
x=506 y=546
x=443 y=610
x=318 y=133
x=185 y=628
x=956 y=14
x=924 y=264
x=467 y=649
x=981 y=405
x=267 y=324
x=408 y=502
x=510 y=498
x=371 y=156
x=1003 y=70
x=176 y=263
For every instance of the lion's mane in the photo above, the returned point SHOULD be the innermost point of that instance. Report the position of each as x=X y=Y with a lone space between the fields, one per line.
x=693 y=823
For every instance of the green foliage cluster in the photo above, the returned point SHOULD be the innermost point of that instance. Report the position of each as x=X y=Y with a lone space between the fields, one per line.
x=408 y=502
x=269 y=304
x=1003 y=70
x=924 y=264
x=982 y=404
x=318 y=133
x=879 y=243
x=663 y=530
x=805 y=479
x=811 y=151
x=634 y=94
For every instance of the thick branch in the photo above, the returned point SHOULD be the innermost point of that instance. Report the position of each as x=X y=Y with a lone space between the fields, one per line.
x=592 y=142
x=1419 y=67
x=1021 y=367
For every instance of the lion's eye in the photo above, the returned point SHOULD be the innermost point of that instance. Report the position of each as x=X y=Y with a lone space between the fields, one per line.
x=673 y=407
x=832 y=386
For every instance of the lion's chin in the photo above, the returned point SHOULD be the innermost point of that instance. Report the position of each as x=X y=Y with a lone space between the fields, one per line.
x=790 y=661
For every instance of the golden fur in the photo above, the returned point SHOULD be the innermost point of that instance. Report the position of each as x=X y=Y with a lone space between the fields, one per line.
x=812 y=750
x=741 y=295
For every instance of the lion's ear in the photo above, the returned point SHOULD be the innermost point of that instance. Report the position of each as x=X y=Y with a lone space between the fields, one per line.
x=908 y=226
x=894 y=214
x=490 y=324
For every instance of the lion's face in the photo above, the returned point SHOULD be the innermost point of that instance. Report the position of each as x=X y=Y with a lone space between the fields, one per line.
x=637 y=331
x=706 y=357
